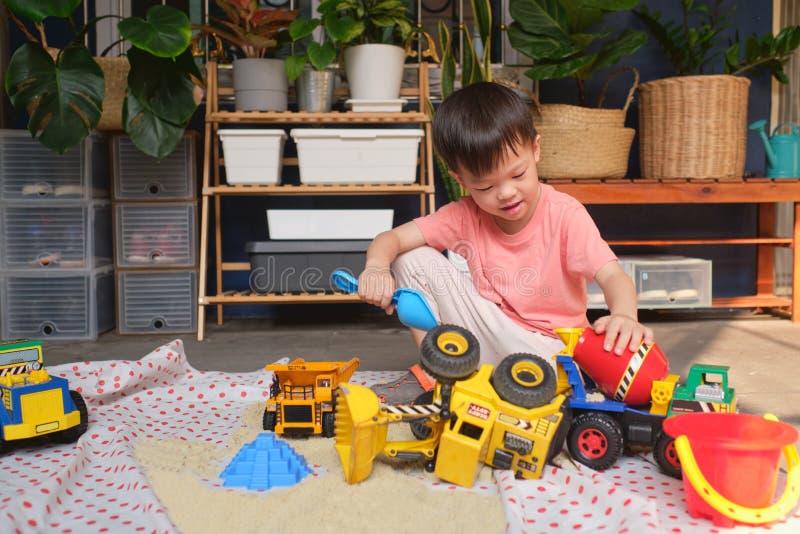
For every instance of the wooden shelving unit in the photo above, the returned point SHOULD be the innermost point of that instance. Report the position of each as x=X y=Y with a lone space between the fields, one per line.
x=213 y=189
x=762 y=191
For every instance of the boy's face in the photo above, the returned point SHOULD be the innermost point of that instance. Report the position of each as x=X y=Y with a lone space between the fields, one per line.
x=511 y=191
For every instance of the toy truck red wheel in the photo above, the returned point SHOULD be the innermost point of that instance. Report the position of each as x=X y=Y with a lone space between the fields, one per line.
x=595 y=440
x=666 y=456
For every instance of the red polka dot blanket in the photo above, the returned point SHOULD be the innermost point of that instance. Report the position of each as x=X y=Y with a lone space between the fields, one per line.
x=97 y=484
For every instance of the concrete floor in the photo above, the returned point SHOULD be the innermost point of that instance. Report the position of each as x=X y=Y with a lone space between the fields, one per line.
x=761 y=350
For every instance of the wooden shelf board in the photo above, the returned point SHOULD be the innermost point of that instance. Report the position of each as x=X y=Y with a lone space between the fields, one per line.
x=314 y=189
x=249 y=297
x=680 y=191
x=775 y=241
x=334 y=117
x=752 y=301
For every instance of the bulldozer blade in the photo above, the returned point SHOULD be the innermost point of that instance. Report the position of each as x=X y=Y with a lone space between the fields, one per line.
x=360 y=430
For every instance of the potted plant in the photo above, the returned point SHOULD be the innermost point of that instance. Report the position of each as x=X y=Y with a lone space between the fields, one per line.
x=310 y=68
x=259 y=79
x=371 y=34
x=712 y=125
x=566 y=39
x=66 y=91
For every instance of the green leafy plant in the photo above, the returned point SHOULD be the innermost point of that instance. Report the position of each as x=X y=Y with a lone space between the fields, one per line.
x=353 y=22
x=475 y=68
x=695 y=44
x=318 y=55
x=257 y=32
x=63 y=89
x=557 y=35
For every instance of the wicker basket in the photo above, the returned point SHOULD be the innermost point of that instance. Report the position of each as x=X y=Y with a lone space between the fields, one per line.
x=115 y=71
x=584 y=152
x=565 y=115
x=581 y=142
x=693 y=127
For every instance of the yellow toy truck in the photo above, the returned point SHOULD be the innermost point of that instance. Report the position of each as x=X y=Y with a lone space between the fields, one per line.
x=507 y=417
x=301 y=397
x=34 y=403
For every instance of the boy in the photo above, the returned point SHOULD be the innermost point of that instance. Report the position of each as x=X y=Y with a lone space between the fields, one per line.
x=530 y=249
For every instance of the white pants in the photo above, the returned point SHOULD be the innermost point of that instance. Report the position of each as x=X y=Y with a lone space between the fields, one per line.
x=455 y=300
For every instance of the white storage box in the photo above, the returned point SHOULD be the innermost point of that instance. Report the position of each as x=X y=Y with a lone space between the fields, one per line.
x=139 y=176
x=333 y=156
x=328 y=224
x=57 y=304
x=156 y=302
x=55 y=235
x=664 y=281
x=160 y=234
x=31 y=171
x=253 y=156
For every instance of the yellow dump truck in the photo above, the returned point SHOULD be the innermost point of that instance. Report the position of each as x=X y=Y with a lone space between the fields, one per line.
x=301 y=397
x=507 y=417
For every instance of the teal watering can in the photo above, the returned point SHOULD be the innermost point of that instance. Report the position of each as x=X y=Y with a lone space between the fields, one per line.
x=783 y=149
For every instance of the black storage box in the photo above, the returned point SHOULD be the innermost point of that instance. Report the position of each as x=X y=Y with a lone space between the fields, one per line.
x=292 y=266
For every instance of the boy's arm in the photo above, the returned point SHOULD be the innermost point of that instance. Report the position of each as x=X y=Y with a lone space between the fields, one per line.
x=621 y=326
x=376 y=284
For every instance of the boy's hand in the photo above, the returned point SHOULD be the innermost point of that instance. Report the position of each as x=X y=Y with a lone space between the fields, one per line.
x=376 y=286
x=622 y=330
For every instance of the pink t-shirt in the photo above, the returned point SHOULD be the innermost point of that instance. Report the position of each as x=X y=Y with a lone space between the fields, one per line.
x=538 y=275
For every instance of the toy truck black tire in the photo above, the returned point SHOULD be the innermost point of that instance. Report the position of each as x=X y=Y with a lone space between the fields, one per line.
x=269 y=421
x=449 y=353
x=595 y=440
x=71 y=435
x=525 y=380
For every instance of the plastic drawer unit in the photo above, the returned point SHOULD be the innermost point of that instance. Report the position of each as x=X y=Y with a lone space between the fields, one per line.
x=162 y=234
x=332 y=156
x=31 y=171
x=595 y=300
x=253 y=156
x=158 y=301
x=138 y=176
x=302 y=266
x=57 y=304
x=664 y=281
x=55 y=235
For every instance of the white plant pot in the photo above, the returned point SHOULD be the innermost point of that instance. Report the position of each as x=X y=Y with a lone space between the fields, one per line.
x=374 y=71
x=260 y=84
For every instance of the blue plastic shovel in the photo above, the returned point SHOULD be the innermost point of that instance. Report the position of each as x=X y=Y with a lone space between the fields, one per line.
x=412 y=306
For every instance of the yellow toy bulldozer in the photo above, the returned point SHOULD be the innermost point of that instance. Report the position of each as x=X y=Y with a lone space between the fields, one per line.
x=301 y=396
x=507 y=417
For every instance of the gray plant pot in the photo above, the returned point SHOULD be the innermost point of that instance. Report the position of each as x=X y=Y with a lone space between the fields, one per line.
x=260 y=84
x=315 y=90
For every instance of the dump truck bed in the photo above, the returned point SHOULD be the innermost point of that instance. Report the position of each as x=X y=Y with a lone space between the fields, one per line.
x=301 y=372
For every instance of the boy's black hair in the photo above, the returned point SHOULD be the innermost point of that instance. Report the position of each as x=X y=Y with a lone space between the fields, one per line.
x=475 y=126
